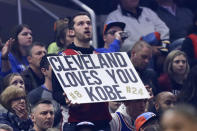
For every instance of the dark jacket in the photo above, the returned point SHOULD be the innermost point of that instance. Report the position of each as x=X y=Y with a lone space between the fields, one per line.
x=31 y=80
x=15 y=122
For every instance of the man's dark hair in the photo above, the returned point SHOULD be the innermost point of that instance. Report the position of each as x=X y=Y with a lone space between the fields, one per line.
x=29 y=50
x=71 y=23
x=44 y=63
x=42 y=101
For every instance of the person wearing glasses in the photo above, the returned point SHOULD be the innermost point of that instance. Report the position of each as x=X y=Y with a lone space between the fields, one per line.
x=113 y=36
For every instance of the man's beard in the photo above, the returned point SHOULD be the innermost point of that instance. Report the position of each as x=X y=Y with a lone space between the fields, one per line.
x=85 y=39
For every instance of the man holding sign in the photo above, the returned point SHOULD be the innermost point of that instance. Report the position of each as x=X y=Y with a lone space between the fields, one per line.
x=97 y=113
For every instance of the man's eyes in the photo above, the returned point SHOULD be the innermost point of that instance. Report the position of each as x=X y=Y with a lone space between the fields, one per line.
x=45 y=113
x=82 y=23
x=39 y=53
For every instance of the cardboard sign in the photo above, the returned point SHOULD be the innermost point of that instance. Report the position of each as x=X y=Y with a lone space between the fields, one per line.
x=93 y=78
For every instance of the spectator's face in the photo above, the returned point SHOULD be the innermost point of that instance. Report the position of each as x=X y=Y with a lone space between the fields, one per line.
x=113 y=105
x=109 y=36
x=19 y=104
x=37 y=52
x=179 y=65
x=135 y=107
x=83 y=28
x=68 y=38
x=25 y=37
x=129 y=4
x=18 y=81
x=172 y=121
x=43 y=117
x=141 y=58
x=165 y=102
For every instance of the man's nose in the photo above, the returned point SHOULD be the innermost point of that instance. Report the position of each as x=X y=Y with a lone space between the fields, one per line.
x=87 y=25
x=49 y=115
x=43 y=53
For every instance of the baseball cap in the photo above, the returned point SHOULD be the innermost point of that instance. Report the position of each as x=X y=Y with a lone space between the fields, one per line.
x=142 y=119
x=85 y=124
x=154 y=40
x=109 y=24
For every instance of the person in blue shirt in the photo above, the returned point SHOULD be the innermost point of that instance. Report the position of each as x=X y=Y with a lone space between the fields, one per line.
x=112 y=37
x=13 y=53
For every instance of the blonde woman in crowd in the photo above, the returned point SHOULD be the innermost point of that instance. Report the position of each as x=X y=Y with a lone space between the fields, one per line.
x=176 y=69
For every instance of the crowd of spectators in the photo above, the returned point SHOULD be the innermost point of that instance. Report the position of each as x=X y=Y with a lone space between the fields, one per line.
x=161 y=45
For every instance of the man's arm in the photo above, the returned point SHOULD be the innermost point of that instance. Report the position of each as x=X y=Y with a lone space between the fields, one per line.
x=114 y=46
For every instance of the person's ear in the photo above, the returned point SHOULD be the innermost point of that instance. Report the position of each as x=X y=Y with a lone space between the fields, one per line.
x=71 y=32
x=29 y=59
x=156 y=106
x=104 y=38
x=32 y=117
